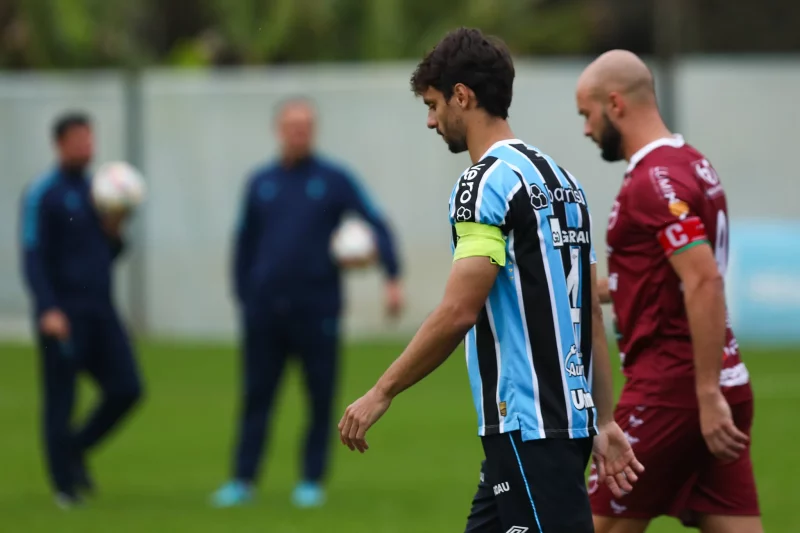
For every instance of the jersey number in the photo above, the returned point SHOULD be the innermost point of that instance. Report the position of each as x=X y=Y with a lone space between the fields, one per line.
x=721 y=244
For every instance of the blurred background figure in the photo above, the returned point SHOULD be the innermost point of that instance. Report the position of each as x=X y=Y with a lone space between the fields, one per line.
x=289 y=291
x=69 y=251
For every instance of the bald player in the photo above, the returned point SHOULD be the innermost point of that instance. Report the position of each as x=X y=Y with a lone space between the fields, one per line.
x=687 y=405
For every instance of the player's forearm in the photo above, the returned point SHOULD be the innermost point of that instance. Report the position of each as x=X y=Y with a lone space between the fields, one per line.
x=439 y=335
x=38 y=282
x=705 y=309
x=602 y=291
x=602 y=381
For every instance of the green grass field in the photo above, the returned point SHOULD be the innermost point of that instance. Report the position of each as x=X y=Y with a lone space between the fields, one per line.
x=419 y=475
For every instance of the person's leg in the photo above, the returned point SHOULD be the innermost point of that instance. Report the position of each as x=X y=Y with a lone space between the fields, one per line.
x=113 y=366
x=725 y=499
x=667 y=442
x=540 y=485
x=483 y=517
x=58 y=374
x=730 y=524
x=316 y=340
x=263 y=359
x=606 y=524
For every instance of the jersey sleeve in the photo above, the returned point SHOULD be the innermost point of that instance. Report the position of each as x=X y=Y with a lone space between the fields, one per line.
x=482 y=194
x=666 y=205
x=478 y=209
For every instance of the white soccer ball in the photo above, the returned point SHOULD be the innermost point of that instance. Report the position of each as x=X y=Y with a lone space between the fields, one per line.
x=117 y=186
x=353 y=244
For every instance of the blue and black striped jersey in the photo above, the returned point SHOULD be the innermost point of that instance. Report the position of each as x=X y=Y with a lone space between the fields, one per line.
x=529 y=354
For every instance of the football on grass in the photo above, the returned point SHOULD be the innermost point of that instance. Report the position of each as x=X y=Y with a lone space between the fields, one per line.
x=117 y=186
x=353 y=244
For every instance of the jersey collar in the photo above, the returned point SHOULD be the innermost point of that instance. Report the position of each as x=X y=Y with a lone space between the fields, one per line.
x=676 y=141
x=498 y=144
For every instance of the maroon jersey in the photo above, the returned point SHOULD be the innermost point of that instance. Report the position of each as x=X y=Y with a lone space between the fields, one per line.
x=671 y=199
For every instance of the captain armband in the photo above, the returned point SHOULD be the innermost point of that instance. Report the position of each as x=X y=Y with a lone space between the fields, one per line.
x=480 y=240
x=682 y=235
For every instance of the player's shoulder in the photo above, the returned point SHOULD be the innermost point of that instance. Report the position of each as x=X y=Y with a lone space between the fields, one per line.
x=42 y=189
x=332 y=168
x=671 y=158
x=491 y=171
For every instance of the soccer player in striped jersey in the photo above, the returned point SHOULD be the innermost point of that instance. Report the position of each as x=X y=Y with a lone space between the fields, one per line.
x=522 y=291
x=687 y=405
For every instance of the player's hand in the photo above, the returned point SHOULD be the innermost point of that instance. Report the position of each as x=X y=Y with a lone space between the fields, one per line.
x=54 y=323
x=360 y=416
x=113 y=220
x=723 y=438
x=394 y=298
x=616 y=463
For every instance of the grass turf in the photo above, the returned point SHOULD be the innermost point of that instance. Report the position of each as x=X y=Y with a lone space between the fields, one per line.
x=156 y=474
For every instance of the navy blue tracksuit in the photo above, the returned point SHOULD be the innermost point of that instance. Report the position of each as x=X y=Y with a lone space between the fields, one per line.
x=67 y=262
x=290 y=293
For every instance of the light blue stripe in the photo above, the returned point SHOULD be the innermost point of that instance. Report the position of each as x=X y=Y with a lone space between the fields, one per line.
x=571 y=209
x=498 y=186
x=476 y=384
x=525 y=479
x=33 y=202
x=514 y=365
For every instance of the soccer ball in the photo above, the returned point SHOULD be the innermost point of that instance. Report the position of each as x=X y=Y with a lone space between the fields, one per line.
x=117 y=186
x=353 y=244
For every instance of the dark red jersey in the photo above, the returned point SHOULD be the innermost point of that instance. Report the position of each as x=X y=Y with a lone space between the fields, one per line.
x=671 y=199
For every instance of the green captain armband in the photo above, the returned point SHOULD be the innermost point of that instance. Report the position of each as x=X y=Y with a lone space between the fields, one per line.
x=480 y=240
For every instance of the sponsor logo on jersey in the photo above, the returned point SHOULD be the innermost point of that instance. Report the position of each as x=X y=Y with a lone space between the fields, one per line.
x=568 y=236
x=679 y=209
x=566 y=195
x=538 y=198
x=574 y=364
x=676 y=206
x=503 y=408
x=581 y=399
x=500 y=488
x=613 y=216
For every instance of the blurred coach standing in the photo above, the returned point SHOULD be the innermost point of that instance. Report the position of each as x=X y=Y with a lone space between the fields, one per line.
x=290 y=295
x=68 y=254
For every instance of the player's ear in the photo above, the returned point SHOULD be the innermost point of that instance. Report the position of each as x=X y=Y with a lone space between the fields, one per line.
x=462 y=95
x=616 y=105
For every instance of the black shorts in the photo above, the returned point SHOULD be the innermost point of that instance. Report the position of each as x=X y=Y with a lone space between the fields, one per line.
x=532 y=487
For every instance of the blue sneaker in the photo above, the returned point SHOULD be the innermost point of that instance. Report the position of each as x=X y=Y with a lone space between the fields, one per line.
x=308 y=494
x=232 y=494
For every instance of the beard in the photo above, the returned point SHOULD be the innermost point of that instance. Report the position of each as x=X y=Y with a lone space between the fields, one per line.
x=610 y=141
x=456 y=146
x=457 y=140
x=76 y=166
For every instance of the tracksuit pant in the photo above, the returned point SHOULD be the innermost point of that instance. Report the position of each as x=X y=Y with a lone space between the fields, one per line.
x=270 y=338
x=98 y=345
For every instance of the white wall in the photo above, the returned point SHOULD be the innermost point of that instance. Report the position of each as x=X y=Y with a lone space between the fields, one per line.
x=203 y=132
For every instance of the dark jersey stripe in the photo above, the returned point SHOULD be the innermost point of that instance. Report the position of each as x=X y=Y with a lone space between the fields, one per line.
x=466 y=198
x=539 y=320
x=487 y=363
x=586 y=295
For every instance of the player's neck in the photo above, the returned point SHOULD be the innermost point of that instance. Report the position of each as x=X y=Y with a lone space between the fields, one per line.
x=482 y=137
x=649 y=129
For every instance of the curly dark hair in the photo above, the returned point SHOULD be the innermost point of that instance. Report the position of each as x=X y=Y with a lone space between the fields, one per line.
x=482 y=63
